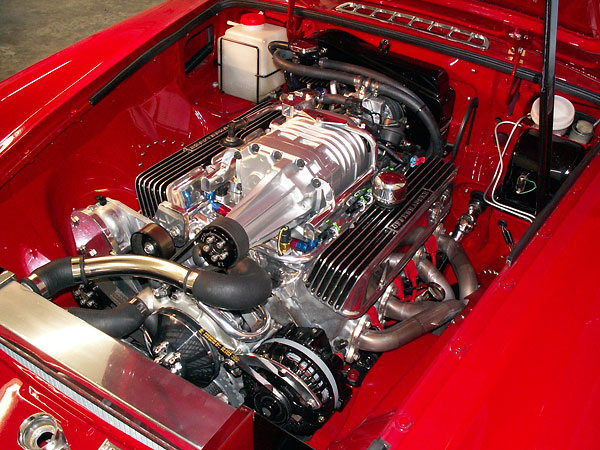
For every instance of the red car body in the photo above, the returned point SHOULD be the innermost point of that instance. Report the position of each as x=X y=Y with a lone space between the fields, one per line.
x=520 y=368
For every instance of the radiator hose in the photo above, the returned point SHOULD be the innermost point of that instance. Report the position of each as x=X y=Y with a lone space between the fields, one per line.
x=372 y=83
x=117 y=322
x=242 y=287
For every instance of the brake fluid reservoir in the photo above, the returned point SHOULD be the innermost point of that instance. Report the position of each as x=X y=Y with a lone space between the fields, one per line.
x=246 y=66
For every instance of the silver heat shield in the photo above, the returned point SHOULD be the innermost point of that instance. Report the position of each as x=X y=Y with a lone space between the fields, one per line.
x=302 y=167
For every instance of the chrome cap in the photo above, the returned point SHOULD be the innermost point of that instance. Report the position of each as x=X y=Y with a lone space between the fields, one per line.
x=389 y=188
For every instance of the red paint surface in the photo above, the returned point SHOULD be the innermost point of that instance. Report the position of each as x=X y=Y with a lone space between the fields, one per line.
x=520 y=370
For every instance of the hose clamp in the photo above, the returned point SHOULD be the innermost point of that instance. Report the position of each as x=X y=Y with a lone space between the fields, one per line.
x=363 y=88
x=6 y=277
x=76 y=269
x=188 y=281
x=140 y=306
x=39 y=284
x=374 y=88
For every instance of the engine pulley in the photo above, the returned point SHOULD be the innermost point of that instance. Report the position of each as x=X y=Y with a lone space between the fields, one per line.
x=177 y=343
x=299 y=383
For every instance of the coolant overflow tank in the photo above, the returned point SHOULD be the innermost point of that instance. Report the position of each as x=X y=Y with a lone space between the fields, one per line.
x=246 y=68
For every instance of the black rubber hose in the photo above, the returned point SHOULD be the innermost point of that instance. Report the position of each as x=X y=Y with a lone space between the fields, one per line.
x=333 y=99
x=278 y=45
x=414 y=104
x=243 y=287
x=390 y=153
x=423 y=114
x=359 y=70
x=309 y=71
x=117 y=322
x=52 y=278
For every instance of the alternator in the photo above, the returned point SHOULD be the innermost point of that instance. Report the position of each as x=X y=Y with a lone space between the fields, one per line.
x=305 y=354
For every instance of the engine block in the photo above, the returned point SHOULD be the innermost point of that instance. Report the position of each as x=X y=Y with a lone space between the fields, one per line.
x=287 y=188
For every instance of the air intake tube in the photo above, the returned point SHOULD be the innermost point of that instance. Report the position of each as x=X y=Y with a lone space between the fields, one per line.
x=241 y=287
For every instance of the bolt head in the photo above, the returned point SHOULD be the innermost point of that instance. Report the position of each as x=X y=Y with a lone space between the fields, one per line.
x=254 y=148
x=316 y=182
x=149 y=248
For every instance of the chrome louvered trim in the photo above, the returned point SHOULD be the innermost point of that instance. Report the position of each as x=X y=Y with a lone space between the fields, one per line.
x=427 y=26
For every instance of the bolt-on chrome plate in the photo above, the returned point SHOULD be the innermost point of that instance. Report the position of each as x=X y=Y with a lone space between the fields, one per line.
x=427 y=26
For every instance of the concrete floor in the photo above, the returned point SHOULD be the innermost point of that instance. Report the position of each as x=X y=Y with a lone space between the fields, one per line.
x=31 y=30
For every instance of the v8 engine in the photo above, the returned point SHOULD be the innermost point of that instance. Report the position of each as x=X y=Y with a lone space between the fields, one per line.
x=274 y=259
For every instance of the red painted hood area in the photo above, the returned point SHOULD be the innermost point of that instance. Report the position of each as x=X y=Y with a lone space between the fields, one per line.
x=579 y=16
x=52 y=94
x=510 y=25
x=49 y=96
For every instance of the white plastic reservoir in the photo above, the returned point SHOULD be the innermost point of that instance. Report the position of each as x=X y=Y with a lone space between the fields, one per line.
x=245 y=59
x=564 y=114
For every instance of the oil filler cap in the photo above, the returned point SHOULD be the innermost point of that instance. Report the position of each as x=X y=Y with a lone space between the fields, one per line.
x=389 y=188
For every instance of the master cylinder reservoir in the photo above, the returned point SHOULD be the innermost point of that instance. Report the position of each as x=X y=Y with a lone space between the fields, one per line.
x=246 y=67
